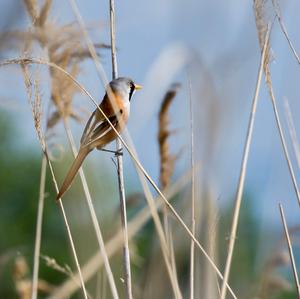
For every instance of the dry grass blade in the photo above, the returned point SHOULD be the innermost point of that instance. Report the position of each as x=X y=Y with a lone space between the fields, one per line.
x=289 y=243
x=38 y=234
x=192 y=251
x=243 y=169
x=130 y=151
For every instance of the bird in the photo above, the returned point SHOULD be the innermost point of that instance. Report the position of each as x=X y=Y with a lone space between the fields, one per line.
x=98 y=132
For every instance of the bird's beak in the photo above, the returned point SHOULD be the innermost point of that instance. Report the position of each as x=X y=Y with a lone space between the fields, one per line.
x=137 y=87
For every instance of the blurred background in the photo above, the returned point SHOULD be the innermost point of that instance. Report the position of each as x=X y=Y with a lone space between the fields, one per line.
x=211 y=49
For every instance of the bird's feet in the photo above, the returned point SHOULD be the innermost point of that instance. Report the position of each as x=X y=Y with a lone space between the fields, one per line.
x=117 y=153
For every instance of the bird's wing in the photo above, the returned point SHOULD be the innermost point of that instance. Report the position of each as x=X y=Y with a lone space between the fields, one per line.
x=88 y=128
x=103 y=128
x=97 y=125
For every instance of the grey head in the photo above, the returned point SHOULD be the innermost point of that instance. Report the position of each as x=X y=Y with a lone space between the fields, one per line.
x=124 y=86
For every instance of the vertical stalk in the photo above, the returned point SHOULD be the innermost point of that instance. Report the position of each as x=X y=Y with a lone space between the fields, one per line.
x=193 y=228
x=119 y=148
x=243 y=169
x=67 y=226
x=291 y=253
x=38 y=234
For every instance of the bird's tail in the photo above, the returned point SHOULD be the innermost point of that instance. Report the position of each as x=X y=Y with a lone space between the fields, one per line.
x=83 y=152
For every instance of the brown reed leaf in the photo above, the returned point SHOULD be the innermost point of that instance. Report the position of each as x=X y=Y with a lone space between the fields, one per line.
x=166 y=159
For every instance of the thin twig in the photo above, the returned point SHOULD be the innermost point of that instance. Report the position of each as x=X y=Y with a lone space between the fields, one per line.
x=119 y=148
x=192 y=251
x=129 y=149
x=289 y=243
x=93 y=215
x=282 y=139
x=67 y=227
x=283 y=28
x=240 y=187
x=36 y=116
x=38 y=234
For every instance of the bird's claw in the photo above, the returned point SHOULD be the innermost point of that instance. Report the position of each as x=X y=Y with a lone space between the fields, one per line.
x=119 y=152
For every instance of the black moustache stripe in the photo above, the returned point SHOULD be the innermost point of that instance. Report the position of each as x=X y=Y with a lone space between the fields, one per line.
x=132 y=88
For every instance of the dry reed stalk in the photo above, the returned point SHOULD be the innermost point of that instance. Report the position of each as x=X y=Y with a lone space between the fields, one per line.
x=243 y=169
x=35 y=102
x=289 y=243
x=120 y=171
x=38 y=234
x=101 y=72
x=193 y=226
x=130 y=151
x=282 y=137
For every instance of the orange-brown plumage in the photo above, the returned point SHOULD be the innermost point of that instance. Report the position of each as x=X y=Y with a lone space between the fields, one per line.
x=98 y=132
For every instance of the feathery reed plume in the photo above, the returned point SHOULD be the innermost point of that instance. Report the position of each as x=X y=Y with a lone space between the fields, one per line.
x=166 y=159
